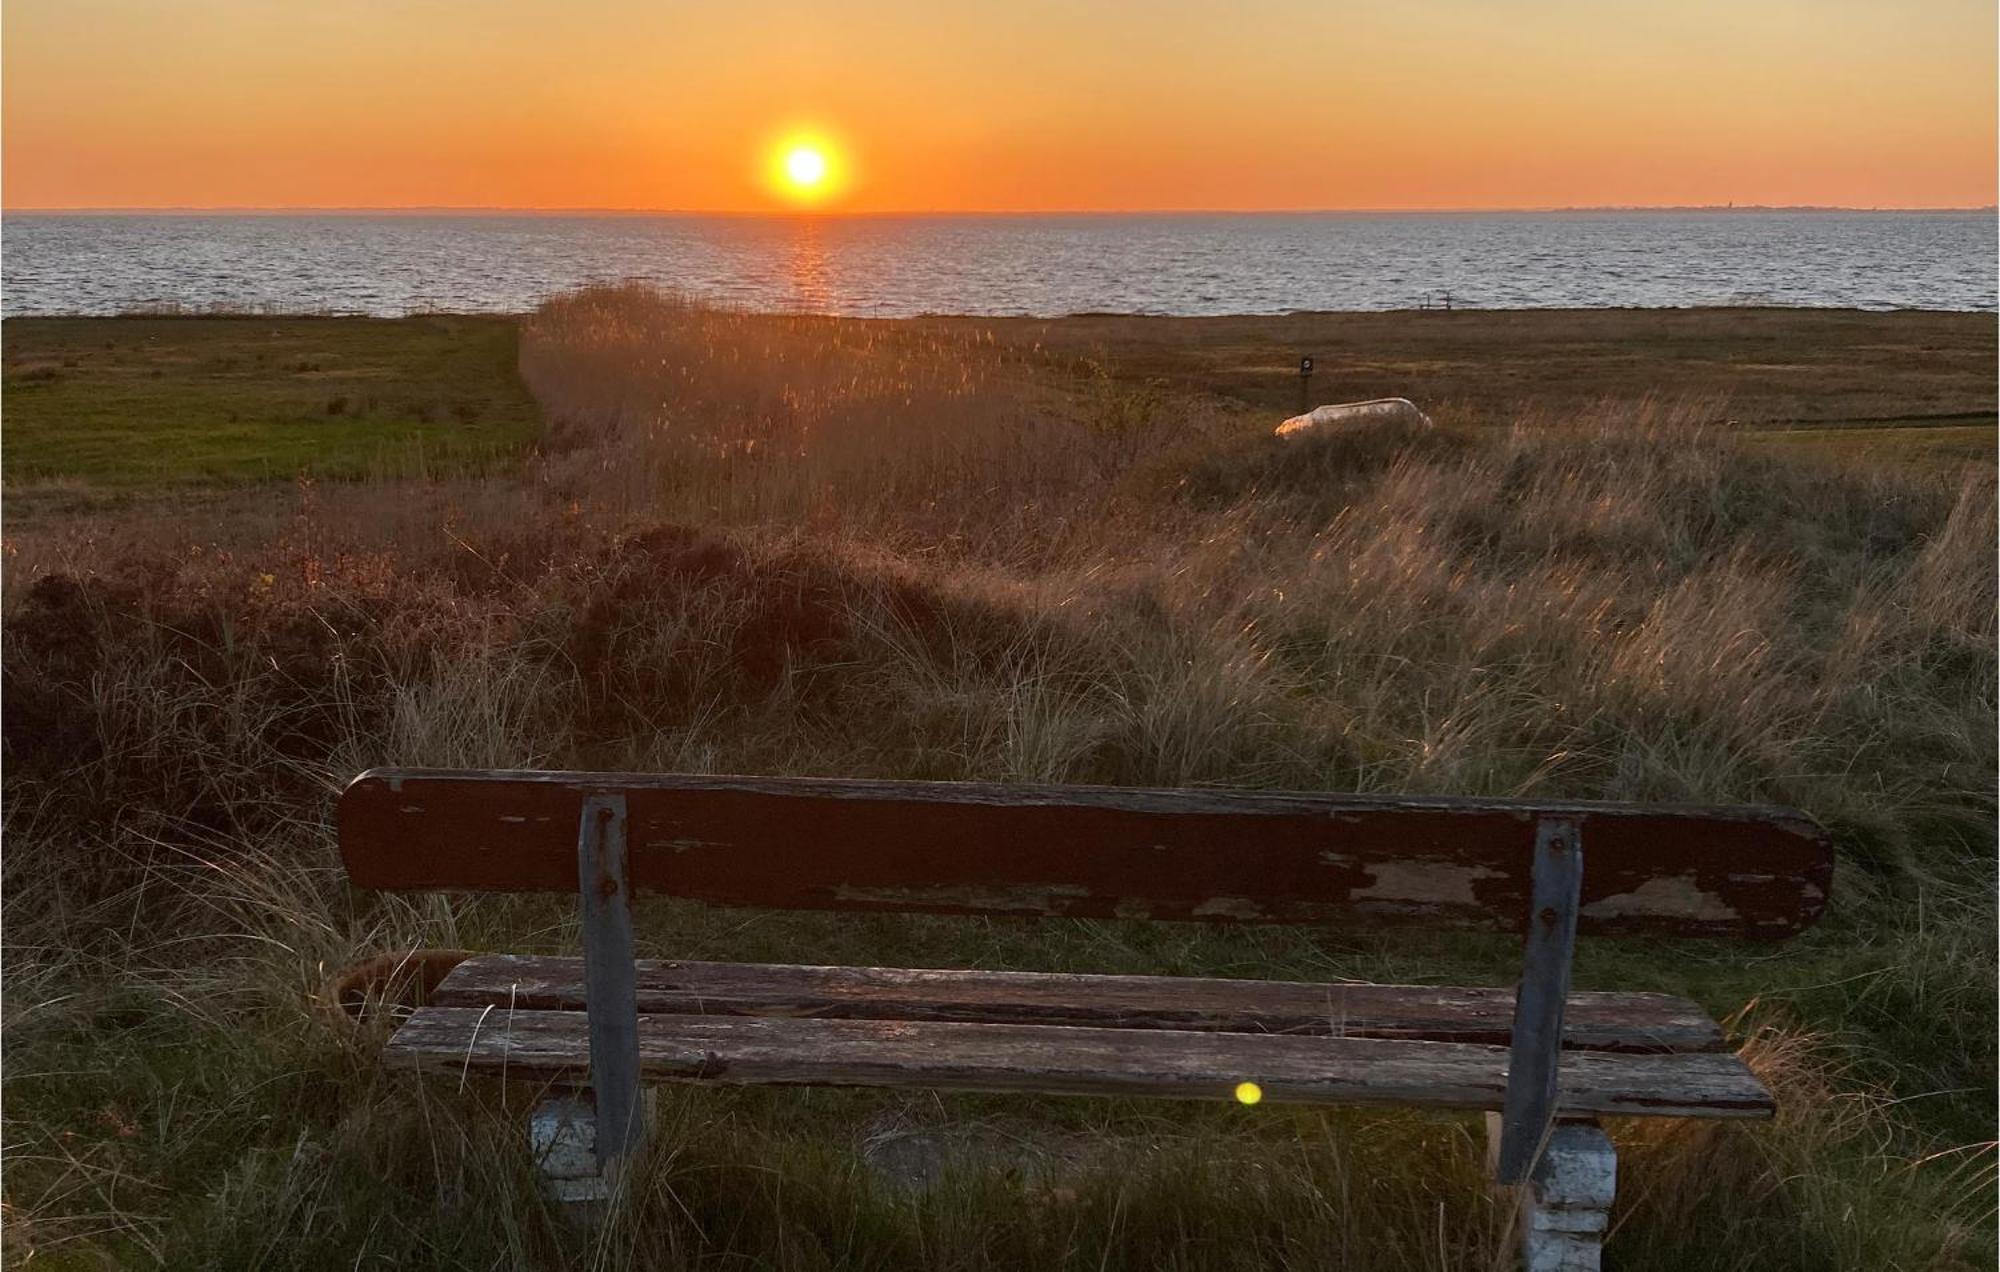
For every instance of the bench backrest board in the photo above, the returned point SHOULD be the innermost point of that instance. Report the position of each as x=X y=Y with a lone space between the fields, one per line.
x=1091 y=852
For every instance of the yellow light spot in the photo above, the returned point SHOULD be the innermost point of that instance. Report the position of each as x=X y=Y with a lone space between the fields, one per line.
x=1248 y=1092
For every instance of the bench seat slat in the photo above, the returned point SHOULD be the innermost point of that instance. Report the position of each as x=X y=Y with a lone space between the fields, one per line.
x=1070 y=1060
x=1594 y=1021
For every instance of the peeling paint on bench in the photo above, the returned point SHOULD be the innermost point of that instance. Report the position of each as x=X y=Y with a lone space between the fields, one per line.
x=1093 y=852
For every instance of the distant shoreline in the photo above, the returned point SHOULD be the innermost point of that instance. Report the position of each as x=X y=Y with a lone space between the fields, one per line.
x=192 y=313
x=1010 y=214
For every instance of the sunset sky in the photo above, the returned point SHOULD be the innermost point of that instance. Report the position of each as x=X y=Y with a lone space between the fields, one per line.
x=1022 y=105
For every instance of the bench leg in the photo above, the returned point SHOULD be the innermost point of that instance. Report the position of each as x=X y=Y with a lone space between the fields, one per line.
x=1566 y=1203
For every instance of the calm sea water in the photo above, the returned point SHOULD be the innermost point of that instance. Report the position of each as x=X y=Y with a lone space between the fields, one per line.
x=1043 y=265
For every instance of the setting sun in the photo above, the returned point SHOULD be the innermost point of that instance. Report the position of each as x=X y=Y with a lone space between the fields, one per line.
x=805 y=167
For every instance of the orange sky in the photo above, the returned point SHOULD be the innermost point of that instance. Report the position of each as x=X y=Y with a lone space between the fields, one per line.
x=1020 y=105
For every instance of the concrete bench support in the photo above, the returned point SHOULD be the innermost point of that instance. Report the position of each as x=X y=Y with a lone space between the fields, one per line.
x=562 y=1136
x=1565 y=1206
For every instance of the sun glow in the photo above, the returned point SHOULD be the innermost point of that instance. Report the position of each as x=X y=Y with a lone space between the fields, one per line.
x=806 y=168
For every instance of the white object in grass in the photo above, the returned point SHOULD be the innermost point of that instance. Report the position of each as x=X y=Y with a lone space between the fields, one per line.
x=1377 y=411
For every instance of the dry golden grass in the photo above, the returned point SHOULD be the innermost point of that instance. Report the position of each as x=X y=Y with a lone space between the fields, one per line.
x=805 y=546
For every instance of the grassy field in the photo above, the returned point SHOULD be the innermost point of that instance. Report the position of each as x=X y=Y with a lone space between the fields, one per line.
x=129 y=404
x=1774 y=367
x=1642 y=556
x=137 y=402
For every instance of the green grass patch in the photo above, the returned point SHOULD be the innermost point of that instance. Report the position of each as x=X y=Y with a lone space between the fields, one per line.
x=1944 y=446
x=128 y=402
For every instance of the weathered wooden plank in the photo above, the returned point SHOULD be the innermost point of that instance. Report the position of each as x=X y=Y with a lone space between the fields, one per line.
x=609 y=979
x=1092 y=852
x=1539 y=1002
x=1069 y=1060
x=1595 y=1021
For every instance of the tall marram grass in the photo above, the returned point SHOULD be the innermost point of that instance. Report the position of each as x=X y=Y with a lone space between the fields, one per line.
x=789 y=545
x=918 y=440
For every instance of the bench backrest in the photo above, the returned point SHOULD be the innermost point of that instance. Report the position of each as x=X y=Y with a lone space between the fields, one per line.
x=1093 y=852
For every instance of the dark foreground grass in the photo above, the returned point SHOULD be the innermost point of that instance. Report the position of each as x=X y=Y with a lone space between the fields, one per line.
x=144 y=401
x=912 y=552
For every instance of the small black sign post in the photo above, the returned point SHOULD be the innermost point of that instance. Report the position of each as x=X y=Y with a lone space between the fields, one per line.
x=1305 y=383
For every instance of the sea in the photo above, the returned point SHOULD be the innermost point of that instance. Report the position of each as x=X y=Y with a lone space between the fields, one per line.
x=894 y=266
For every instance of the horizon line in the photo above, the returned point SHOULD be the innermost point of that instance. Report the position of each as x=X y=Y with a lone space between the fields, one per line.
x=451 y=209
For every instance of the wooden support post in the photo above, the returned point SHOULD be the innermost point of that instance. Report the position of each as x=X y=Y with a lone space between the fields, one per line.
x=1535 y=1058
x=610 y=983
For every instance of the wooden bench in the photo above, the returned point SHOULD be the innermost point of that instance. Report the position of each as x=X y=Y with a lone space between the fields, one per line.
x=1540 y=1061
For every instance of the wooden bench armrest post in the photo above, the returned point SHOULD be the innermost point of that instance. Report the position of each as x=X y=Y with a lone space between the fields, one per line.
x=610 y=981
x=1535 y=1054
